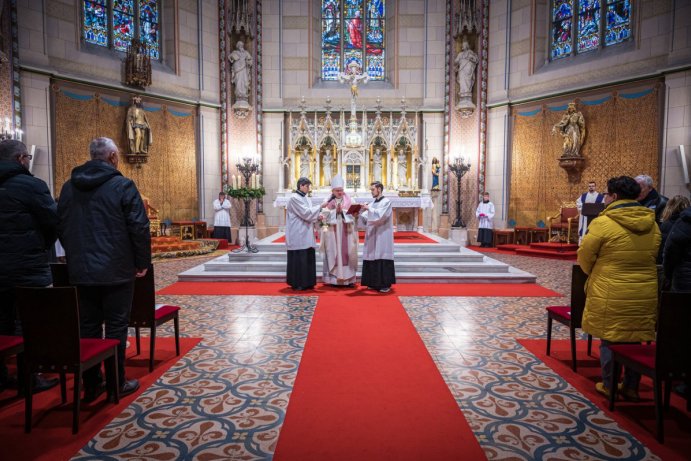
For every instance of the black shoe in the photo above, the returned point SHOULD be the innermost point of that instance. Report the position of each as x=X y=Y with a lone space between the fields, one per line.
x=43 y=384
x=130 y=386
x=298 y=288
x=384 y=290
x=92 y=393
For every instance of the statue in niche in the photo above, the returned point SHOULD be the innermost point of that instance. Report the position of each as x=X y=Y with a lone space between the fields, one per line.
x=436 y=169
x=402 y=168
x=138 y=128
x=572 y=128
x=305 y=163
x=241 y=77
x=466 y=62
x=327 y=163
x=377 y=165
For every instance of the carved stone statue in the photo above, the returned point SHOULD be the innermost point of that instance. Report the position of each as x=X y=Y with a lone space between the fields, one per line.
x=241 y=76
x=377 y=165
x=138 y=128
x=572 y=128
x=466 y=62
x=402 y=168
x=327 y=162
x=305 y=163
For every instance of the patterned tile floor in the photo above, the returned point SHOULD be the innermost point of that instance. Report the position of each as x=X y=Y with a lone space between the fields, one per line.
x=226 y=398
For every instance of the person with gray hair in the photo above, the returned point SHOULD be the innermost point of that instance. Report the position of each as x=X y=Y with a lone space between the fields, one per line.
x=105 y=232
x=28 y=228
x=650 y=198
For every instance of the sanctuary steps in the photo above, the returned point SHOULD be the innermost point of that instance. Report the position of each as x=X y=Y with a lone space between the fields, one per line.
x=441 y=262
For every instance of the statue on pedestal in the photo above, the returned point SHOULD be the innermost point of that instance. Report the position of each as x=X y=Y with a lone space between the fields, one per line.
x=402 y=168
x=466 y=62
x=305 y=170
x=377 y=165
x=241 y=77
x=327 y=162
x=572 y=128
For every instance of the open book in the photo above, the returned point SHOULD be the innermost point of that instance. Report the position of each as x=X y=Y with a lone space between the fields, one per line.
x=354 y=208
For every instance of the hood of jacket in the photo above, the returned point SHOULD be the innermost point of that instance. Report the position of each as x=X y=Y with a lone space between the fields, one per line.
x=10 y=170
x=93 y=174
x=631 y=215
x=686 y=215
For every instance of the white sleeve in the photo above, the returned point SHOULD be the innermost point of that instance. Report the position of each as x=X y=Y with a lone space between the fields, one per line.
x=380 y=213
x=302 y=210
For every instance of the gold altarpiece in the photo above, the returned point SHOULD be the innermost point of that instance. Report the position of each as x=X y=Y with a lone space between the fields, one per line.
x=623 y=138
x=169 y=179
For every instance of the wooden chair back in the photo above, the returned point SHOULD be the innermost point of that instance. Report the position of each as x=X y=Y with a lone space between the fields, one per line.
x=144 y=301
x=50 y=326
x=673 y=352
x=61 y=278
x=578 y=279
x=568 y=212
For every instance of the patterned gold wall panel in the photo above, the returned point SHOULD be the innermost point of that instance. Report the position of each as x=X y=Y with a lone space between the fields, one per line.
x=622 y=138
x=169 y=179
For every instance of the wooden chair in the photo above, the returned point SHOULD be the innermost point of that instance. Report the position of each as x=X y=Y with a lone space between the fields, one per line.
x=566 y=220
x=666 y=360
x=60 y=276
x=147 y=314
x=14 y=345
x=50 y=324
x=571 y=315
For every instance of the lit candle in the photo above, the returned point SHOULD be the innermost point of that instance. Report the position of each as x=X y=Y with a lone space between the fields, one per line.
x=254 y=180
x=259 y=180
x=235 y=182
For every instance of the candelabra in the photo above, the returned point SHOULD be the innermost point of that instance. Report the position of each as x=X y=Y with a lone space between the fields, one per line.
x=459 y=168
x=10 y=133
x=248 y=168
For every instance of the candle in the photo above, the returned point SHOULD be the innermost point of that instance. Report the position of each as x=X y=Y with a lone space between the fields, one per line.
x=254 y=181
x=235 y=182
x=259 y=181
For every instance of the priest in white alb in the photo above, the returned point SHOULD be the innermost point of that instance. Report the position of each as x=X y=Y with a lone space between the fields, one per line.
x=378 y=271
x=301 y=271
x=221 y=217
x=339 y=238
x=485 y=214
x=592 y=196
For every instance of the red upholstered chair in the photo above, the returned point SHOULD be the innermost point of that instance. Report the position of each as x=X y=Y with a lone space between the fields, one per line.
x=50 y=325
x=666 y=360
x=566 y=221
x=14 y=345
x=147 y=314
x=571 y=315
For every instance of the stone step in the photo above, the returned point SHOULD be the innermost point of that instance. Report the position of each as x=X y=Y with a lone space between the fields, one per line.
x=402 y=256
x=419 y=266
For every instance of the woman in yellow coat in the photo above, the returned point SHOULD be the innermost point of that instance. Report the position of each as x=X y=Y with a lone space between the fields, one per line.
x=618 y=253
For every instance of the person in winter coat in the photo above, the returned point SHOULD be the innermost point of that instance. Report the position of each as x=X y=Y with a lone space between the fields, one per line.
x=651 y=198
x=105 y=231
x=28 y=228
x=618 y=253
x=676 y=256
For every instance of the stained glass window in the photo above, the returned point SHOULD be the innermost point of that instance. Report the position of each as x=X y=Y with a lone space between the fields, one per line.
x=353 y=33
x=579 y=26
x=114 y=23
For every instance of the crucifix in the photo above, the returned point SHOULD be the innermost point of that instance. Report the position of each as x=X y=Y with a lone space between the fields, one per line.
x=353 y=77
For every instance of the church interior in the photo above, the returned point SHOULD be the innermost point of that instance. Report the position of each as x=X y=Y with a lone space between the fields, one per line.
x=439 y=102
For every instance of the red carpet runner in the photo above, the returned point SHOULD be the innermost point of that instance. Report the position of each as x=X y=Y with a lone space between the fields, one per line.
x=401 y=289
x=51 y=437
x=367 y=389
x=637 y=418
x=398 y=237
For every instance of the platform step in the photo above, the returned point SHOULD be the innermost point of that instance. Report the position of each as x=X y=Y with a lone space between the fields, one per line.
x=559 y=247
x=547 y=253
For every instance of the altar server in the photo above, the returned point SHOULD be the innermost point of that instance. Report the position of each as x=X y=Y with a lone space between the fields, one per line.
x=339 y=242
x=485 y=214
x=222 y=217
x=378 y=272
x=301 y=272
x=592 y=196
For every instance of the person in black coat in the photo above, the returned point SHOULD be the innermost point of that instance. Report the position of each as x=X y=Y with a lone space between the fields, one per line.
x=676 y=259
x=674 y=207
x=28 y=229
x=105 y=232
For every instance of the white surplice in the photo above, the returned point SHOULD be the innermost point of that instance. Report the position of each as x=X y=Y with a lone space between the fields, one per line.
x=339 y=246
x=300 y=218
x=222 y=213
x=379 y=231
x=588 y=197
x=485 y=222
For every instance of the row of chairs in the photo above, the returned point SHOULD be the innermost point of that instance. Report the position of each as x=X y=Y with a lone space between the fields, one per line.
x=50 y=317
x=666 y=360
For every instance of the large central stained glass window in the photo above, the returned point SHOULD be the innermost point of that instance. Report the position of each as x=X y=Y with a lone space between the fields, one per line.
x=579 y=26
x=353 y=33
x=114 y=23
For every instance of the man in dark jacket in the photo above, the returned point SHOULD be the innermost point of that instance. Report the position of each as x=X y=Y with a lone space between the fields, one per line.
x=28 y=228
x=650 y=198
x=676 y=256
x=105 y=232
